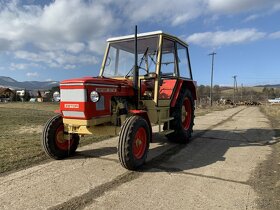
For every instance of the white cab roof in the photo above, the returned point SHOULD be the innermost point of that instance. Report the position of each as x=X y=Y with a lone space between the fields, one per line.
x=144 y=35
x=132 y=36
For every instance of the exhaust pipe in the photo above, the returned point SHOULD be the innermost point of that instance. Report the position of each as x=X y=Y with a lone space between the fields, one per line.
x=136 y=68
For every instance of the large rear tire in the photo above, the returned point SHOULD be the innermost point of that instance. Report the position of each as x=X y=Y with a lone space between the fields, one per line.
x=134 y=142
x=54 y=142
x=183 y=121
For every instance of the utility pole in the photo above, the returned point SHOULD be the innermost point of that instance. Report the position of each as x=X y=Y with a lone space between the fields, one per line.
x=242 y=92
x=211 y=87
x=234 y=87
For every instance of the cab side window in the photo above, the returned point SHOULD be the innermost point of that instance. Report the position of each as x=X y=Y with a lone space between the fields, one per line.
x=168 y=58
x=182 y=60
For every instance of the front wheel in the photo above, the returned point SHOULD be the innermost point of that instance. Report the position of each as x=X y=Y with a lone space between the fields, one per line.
x=134 y=142
x=56 y=143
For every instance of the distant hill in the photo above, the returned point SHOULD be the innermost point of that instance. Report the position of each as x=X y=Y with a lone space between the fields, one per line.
x=269 y=86
x=29 y=85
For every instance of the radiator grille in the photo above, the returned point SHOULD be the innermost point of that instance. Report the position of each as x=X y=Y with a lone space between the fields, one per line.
x=73 y=95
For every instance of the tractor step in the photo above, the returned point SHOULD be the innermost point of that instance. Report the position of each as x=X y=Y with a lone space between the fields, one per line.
x=166 y=132
x=166 y=120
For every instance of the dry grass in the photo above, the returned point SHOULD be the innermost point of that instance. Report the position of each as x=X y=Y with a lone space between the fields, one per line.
x=21 y=127
x=230 y=91
x=273 y=112
x=267 y=185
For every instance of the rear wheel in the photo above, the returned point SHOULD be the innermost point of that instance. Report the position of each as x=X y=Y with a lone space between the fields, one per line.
x=56 y=143
x=134 y=142
x=183 y=121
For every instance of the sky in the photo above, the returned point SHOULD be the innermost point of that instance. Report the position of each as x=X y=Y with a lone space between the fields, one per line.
x=45 y=40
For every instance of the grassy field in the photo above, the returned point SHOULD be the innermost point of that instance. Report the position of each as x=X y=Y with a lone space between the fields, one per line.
x=21 y=129
x=21 y=125
x=230 y=90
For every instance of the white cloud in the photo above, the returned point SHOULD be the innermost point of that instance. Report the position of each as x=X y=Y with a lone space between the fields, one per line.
x=32 y=74
x=273 y=6
x=275 y=35
x=220 y=38
x=252 y=17
x=77 y=25
x=237 y=6
x=66 y=34
x=61 y=25
x=68 y=66
x=22 y=66
x=76 y=47
x=175 y=13
x=97 y=46
x=182 y=11
x=57 y=59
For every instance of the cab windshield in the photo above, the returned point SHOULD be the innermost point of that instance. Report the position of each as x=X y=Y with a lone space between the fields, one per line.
x=120 y=57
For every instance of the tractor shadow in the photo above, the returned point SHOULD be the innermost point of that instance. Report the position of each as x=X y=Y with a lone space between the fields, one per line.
x=208 y=147
x=95 y=153
x=105 y=151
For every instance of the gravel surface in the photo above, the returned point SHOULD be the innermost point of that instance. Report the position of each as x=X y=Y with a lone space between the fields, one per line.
x=213 y=171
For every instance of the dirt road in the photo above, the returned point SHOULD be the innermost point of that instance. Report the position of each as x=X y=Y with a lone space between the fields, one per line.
x=211 y=172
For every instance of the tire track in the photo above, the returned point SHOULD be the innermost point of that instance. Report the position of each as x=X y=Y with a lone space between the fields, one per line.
x=79 y=202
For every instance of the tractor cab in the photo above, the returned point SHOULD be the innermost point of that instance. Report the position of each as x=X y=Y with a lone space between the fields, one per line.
x=162 y=59
x=145 y=80
x=163 y=65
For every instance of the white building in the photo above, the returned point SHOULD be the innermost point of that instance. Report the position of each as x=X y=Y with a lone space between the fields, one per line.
x=274 y=101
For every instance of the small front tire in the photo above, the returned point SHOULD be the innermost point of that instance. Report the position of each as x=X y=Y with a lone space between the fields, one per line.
x=54 y=142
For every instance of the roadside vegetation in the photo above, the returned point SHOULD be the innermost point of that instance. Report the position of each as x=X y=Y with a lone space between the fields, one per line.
x=260 y=94
x=267 y=183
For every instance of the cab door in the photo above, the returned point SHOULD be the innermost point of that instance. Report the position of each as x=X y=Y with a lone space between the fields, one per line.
x=168 y=73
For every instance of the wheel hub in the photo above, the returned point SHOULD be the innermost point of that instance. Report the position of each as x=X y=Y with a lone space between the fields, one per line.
x=186 y=114
x=139 y=143
x=60 y=137
x=63 y=141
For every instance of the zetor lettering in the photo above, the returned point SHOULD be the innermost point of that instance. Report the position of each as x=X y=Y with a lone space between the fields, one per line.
x=71 y=106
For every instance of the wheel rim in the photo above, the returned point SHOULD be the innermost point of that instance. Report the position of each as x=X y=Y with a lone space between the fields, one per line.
x=139 y=143
x=186 y=114
x=60 y=141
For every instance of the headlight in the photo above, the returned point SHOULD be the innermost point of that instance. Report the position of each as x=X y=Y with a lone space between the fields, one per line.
x=94 y=96
x=56 y=96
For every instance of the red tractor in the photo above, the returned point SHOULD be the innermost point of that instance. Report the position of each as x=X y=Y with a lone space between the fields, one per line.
x=145 y=80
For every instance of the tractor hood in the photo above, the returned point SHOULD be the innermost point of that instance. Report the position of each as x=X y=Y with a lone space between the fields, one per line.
x=99 y=81
x=76 y=101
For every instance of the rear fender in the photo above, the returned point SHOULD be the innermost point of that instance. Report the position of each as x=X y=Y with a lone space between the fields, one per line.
x=144 y=115
x=186 y=84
